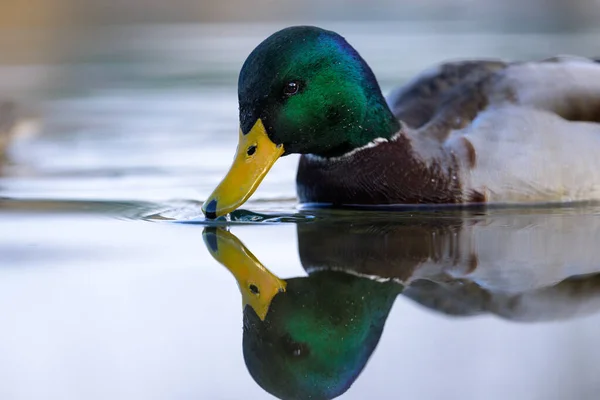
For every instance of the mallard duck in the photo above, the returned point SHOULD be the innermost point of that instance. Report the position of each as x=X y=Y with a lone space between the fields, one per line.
x=463 y=132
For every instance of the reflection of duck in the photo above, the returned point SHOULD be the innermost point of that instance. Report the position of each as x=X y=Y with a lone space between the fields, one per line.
x=465 y=132
x=311 y=337
x=308 y=337
x=519 y=266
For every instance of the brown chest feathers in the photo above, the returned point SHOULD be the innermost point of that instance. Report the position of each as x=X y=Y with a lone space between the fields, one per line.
x=388 y=173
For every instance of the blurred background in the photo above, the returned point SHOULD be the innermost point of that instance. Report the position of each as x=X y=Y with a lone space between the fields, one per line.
x=45 y=35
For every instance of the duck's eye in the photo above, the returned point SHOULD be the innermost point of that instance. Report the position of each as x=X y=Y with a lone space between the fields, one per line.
x=291 y=88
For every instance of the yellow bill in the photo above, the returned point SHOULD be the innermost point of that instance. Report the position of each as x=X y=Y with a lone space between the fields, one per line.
x=257 y=284
x=255 y=156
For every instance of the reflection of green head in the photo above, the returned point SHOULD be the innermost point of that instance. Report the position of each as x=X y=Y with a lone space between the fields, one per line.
x=318 y=334
x=306 y=337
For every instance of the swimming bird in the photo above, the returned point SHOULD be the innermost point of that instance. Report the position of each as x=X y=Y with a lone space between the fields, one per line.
x=463 y=132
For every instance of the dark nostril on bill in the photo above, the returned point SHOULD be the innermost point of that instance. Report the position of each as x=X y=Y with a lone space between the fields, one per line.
x=254 y=289
x=251 y=150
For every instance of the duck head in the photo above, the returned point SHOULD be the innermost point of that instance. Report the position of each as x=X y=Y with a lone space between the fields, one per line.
x=303 y=90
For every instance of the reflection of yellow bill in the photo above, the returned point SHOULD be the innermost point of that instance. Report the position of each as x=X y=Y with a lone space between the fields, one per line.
x=255 y=156
x=257 y=284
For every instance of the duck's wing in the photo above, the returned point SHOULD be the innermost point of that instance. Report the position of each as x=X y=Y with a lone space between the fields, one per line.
x=572 y=298
x=420 y=100
x=577 y=296
x=452 y=95
x=566 y=86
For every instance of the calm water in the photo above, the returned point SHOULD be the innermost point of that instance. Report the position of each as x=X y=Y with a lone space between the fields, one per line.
x=113 y=287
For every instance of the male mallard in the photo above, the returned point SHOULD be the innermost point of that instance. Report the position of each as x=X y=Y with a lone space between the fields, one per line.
x=464 y=132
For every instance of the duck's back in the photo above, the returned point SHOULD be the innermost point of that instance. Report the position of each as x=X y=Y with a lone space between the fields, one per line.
x=568 y=86
x=524 y=132
x=422 y=99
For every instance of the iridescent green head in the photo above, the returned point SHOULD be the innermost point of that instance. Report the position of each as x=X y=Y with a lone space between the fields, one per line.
x=318 y=335
x=312 y=91
x=302 y=90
